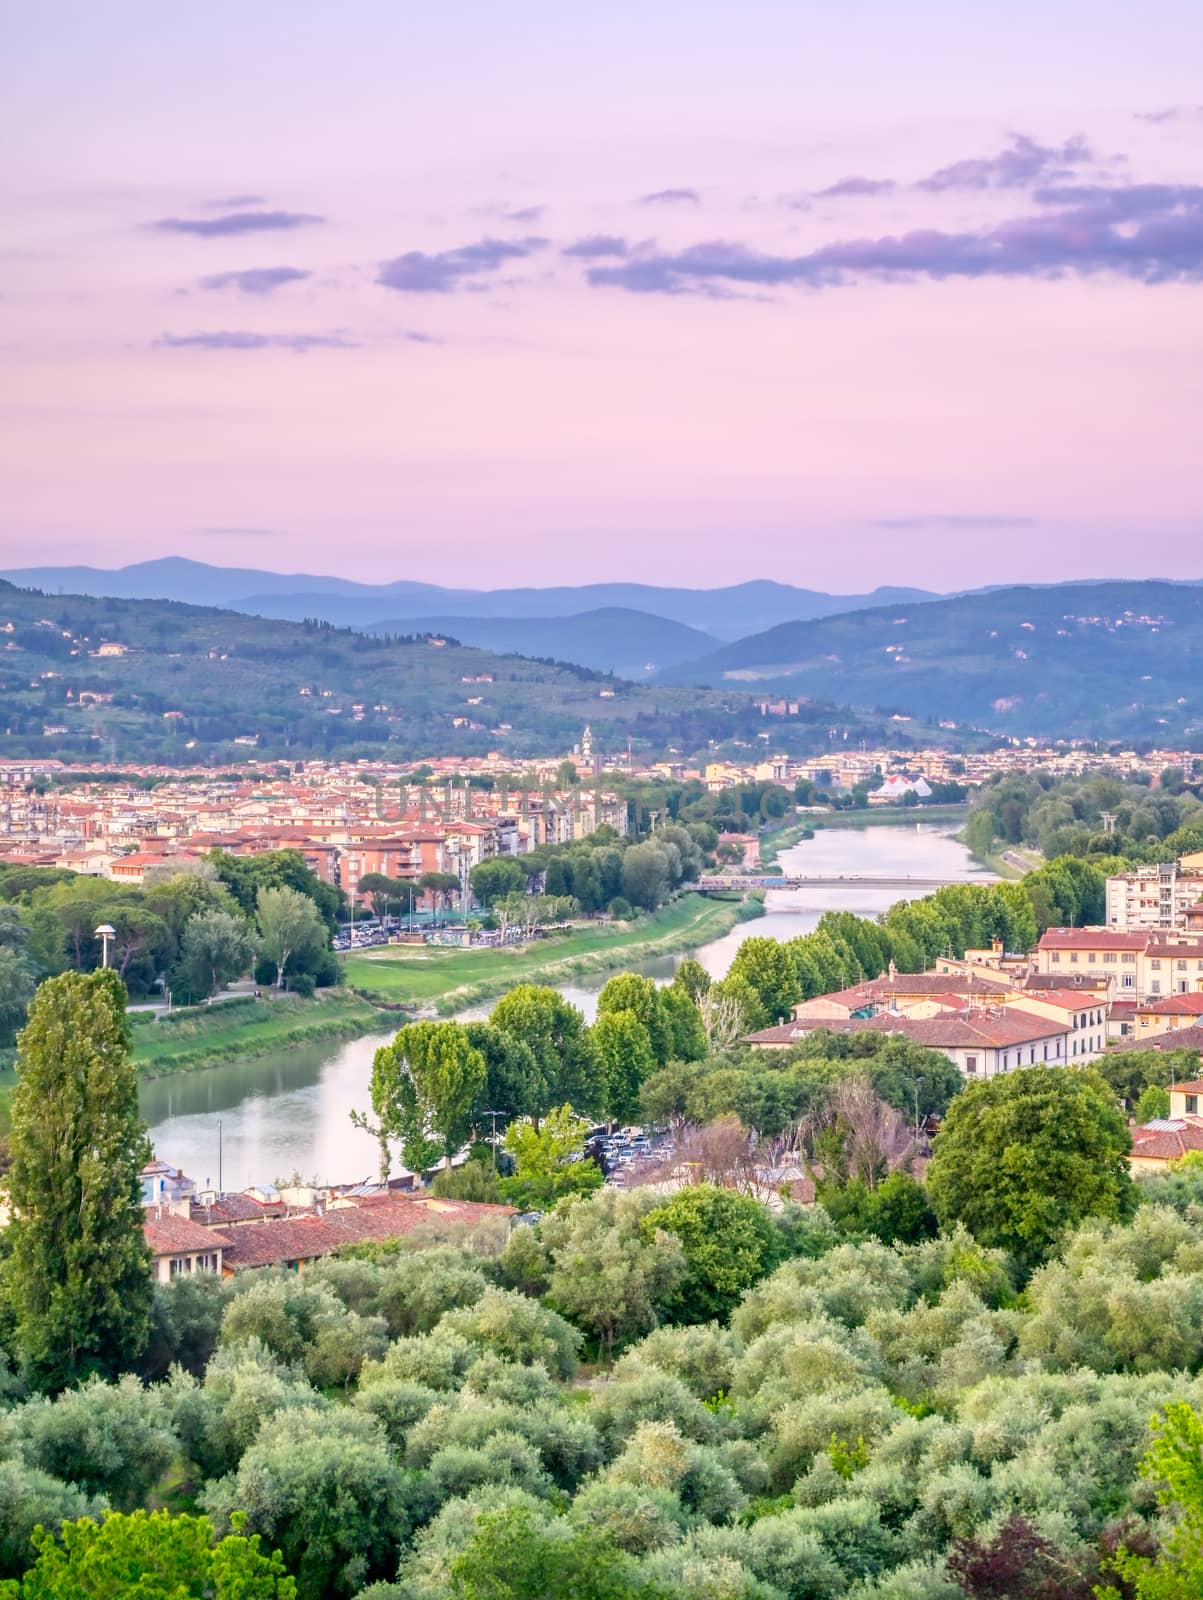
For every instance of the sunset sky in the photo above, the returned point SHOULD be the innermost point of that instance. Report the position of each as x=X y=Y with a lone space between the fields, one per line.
x=483 y=294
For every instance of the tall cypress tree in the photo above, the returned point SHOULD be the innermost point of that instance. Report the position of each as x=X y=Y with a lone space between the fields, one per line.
x=79 y=1272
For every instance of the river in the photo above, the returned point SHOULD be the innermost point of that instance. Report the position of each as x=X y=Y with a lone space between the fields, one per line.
x=265 y=1118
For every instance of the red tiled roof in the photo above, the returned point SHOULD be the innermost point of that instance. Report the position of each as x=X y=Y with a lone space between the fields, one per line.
x=171 y=1235
x=1174 y=1005
x=1091 y=939
x=377 y=1217
x=1170 y=1039
x=1167 y=1144
x=999 y=1029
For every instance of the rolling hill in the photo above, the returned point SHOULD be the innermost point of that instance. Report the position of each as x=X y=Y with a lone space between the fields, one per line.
x=1104 y=659
x=725 y=613
x=188 y=684
x=632 y=644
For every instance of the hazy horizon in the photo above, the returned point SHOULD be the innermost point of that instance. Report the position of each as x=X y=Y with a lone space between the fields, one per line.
x=853 y=297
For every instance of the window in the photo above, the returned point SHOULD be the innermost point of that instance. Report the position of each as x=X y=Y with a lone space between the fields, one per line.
x=1192 y=1105
x=1073 y=955
x=1055 y=956
x=1129 y=980
x=971 y=1066
x=1155 y=964
x=1155 y=986
x=1109 y=957
x=179 y=1264
x=1181 y=966
x=1129 y=959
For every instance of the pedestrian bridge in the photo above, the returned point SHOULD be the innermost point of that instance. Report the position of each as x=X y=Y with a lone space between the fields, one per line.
x=850 y=880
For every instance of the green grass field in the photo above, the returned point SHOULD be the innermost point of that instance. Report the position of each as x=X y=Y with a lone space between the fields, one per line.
x=451 y=979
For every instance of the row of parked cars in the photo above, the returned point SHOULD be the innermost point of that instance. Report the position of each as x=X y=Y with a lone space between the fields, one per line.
x=628 y=1155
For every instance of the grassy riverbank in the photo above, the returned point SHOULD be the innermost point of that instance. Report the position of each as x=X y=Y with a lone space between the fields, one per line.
x=892 y=816
x=203 y=1036
x=451 y=979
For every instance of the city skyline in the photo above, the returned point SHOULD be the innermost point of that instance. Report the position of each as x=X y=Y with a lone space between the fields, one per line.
x=841 y=300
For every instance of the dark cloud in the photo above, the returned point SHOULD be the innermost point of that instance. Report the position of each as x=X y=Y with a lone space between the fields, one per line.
x=1152 y=233
x=856 y=186
x=1022 y=163
x=671 y=197
x=254 y=280
x=597 y=245
x=445 y=271
x=235 y=222
x=299 y=343
x=956 y=519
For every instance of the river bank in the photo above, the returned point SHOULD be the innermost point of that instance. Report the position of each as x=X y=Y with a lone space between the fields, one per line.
x=287 y=1109
x=380 y=983
x=187 y=1041
x=452 y=980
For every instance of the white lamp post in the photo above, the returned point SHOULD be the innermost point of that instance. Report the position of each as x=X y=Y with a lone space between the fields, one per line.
x=104 y=933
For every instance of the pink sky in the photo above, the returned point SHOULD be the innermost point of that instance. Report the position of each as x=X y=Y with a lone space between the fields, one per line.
x=979 y=362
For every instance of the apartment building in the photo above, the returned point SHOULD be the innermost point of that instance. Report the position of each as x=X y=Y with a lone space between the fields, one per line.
x=1154 y=897
x=1136 y=966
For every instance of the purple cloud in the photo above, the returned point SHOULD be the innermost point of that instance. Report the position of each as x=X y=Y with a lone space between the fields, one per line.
x=445 y=271
x=254 y=280
x=1152 y=233
x=856 y=186
x=299 y=343
x=597 y=245
x=235 y=222
x=508 y=213
x=235 y=202
x=1023 y=162
x=671 y=197
x=1170 y=114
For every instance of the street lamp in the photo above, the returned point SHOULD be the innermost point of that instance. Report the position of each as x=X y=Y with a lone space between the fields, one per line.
x=104 y=933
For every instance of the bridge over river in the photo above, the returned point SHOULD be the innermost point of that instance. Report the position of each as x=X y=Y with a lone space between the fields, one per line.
x=851 y=880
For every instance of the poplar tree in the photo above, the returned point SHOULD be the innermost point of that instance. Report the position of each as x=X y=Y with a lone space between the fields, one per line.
x=79 y=1271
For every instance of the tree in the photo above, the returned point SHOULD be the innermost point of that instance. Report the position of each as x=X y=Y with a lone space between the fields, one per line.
x=631 y=992
x=323 y=1485
x=1175 y=1463
x=1153 y=1103
x=556 y=1033
x=216 y=948
x=440 y=886
x=289 y=926
x=692 y=977
x=152 y=1555
x=492 y=880
x=768 y=967
x=424 y=1088
x=514 y=1556
x=645 y=875
x=622 y=1046
x=1024 y=1158
x=514 y=1085
x=548 y=1160
x=606 y=1276
x=79 y=1271
x=729 y=1243
x=16 y=991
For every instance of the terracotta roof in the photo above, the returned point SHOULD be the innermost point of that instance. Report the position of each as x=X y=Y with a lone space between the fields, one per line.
x=1091 y=939
x=1170 y=1039
x=1195 y=1086
x=171 y=1235
x=996 y=1029
x=1174 y=1005
x=376 y=1217
x=1168 y=1141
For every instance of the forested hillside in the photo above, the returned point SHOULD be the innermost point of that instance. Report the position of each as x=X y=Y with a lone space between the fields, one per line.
x=1102 y=659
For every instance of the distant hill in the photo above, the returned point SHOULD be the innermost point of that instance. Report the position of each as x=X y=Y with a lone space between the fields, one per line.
x=189 y=684
x=726 y=613
x=1118 y=659
x=631 y=644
